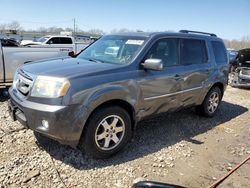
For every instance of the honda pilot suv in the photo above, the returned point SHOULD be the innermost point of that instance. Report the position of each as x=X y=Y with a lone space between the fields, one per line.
x=94 y=100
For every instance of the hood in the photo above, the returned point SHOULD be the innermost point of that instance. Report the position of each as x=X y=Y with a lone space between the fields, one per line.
x=29 y=42
x=68 y=68
x=244 y=55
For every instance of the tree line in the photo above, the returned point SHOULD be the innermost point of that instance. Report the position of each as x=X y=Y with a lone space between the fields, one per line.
x=244 y=42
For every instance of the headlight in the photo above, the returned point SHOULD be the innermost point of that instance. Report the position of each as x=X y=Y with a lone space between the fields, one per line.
x=15 y=79
x=50 y=87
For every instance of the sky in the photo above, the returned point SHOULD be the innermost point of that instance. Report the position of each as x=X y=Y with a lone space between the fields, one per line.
x=229 y=19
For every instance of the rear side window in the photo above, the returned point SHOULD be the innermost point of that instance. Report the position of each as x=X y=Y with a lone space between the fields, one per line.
x=66 y=40
x=193 y=51
x=219 y=52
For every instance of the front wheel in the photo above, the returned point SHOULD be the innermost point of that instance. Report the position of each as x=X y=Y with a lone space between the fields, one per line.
x=107 y=132
x=211 y=103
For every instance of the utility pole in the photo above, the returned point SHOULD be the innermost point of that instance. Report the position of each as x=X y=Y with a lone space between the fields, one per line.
x=74 y=20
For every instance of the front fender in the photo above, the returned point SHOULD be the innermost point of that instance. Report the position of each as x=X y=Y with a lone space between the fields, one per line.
x=113 y=92
x=90 y=99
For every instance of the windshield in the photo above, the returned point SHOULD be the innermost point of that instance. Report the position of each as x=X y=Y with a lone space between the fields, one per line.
x=42 y=39
x=114 y=49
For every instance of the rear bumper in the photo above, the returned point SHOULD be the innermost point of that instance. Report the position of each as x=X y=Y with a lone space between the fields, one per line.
x=65 y=122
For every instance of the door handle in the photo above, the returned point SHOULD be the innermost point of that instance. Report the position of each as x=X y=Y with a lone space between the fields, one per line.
x=177 y=77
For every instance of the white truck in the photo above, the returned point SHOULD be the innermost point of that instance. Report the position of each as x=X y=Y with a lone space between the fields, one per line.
x=56 y=41
x=13 y=57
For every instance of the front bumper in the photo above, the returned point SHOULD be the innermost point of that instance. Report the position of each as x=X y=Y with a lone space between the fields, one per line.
x=65 y=122
x=239 y=80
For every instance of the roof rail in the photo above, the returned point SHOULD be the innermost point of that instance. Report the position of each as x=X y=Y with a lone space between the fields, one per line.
x=198 y=32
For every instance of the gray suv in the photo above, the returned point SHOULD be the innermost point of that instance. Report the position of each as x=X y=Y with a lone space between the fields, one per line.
x=94 y=100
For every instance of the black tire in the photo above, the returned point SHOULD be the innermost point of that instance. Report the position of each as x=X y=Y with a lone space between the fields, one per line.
x=89 y=142
x=203 y=109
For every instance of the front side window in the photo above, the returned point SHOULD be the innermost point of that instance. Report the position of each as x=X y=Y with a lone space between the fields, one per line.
x=193 y=51
x=166 y=50
x=54 y=40
x=114 y=49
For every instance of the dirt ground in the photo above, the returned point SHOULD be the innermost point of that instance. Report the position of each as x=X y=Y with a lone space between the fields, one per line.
x=180 y=148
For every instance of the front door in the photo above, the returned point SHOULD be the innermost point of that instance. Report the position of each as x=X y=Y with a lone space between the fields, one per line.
x=161 y=90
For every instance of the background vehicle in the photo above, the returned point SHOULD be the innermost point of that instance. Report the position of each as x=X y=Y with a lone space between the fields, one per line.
x=8 y=42
x=239 y=75
x=12 y=56
x=56 y=41
x=95 y=100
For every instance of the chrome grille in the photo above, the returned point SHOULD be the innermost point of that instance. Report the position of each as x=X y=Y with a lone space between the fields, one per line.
x=24 y=82
x=245 y=71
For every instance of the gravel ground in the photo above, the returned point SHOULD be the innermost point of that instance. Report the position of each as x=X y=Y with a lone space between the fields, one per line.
x=180 y=148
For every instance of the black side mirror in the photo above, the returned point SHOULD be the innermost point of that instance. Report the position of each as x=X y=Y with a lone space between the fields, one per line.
x=153 y=64
x=148 y=184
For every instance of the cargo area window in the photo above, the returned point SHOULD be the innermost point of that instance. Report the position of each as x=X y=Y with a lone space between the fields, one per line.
x=193 y=51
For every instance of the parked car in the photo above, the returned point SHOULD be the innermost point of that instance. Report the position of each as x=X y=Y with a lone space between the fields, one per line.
x=56 y=41
x=11 y=57
x=95 y=100
x=9 y=42
x=49 y=40
x=239 y=75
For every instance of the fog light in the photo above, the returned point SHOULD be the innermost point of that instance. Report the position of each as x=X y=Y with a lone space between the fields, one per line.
x=45 y=124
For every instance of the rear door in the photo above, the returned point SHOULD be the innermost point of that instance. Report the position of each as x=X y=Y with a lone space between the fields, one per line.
x=197 y=66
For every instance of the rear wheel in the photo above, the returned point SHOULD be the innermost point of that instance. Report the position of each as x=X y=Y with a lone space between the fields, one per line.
x=211 y=103
x=107 y=132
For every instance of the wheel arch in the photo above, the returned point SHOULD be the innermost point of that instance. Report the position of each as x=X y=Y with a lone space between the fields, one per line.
x=113 y=102
x=117 y=102
x=220 y=86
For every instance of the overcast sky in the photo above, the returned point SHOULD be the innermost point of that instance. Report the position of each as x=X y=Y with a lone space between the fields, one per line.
x=230 y=19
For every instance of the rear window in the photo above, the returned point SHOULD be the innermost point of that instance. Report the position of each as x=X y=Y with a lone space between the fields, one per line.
x=220 y=53
x=193 y=51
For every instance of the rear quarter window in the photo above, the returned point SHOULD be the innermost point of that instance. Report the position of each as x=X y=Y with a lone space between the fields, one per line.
x=219 y=51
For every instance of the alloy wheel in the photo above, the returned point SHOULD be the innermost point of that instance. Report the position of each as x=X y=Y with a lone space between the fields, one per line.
x=213 y=102
x=109 y=132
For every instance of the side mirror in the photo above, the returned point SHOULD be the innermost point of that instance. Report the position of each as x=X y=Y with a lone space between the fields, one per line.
x=153 y=64
x=71 y=54
x=148 y=184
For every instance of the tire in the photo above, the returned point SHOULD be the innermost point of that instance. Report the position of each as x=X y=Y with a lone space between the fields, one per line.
x=211 y=103
x=107 y=132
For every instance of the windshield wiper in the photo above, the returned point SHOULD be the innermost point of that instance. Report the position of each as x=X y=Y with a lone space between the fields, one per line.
x=95 y=60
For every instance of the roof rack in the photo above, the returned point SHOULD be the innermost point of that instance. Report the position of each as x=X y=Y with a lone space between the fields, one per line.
x=198 y=32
